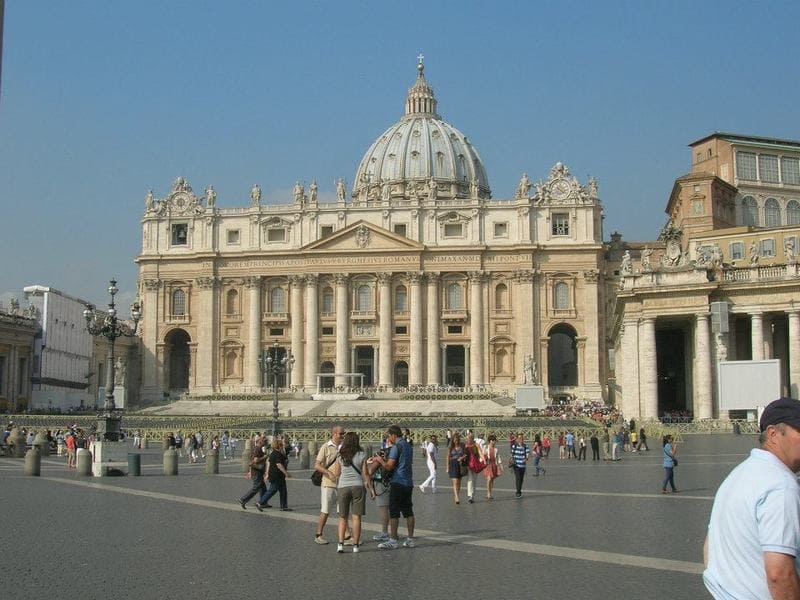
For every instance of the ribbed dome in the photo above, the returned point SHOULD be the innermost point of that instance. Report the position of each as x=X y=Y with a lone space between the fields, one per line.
x=402 y=161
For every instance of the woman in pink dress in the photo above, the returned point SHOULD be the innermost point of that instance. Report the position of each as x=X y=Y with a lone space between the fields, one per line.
x=494 y=464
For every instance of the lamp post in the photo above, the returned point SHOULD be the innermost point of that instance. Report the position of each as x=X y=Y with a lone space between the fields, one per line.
x=110 y=327
x=271 y=365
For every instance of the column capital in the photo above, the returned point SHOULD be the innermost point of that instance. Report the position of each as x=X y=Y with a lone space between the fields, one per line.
x=296 y=280
x=433 y=278
x=252 y=282
x=205 y=283
x=702 y=316
x=341 y=278
x=647 y=319
x=476 y=276
x=152 y=284
x=525 y=276
x=384 y=278
x=591 y=275
x=312 y=279
x=414 y=277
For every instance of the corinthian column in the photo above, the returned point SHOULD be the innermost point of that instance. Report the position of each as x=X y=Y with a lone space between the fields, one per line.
x=385 y=329
x=415 y=368
x=151 y=384
x=434 y=366
x=794 y=353
x=702 y=369
x=342 y=326
x=648 y=367
x=312 y=332
x=296 y=283
x=253 y=285
x=206 y=335
x=757 y=335
x=476 y=356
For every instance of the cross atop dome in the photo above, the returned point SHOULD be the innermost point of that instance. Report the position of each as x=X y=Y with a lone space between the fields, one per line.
x=420 y=99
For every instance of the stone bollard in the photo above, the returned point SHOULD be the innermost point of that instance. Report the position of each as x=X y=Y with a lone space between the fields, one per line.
x=212 y=462
x=40 y=441
x=304 y=460
x=83 y=462
x=16 y=442
x=170 y=462
x=33 y=462
x=134 y=464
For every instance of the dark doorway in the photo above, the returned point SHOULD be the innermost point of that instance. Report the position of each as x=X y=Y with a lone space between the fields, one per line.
x=671 y=361
x=455 y=365
x=562 y=357
x=326 y=382
x=178 y=362
x=401 y=374
x=365 y=363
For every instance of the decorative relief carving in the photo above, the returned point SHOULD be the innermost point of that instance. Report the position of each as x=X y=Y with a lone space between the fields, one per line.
x=563 y=188
x=312 y=279
x=401 y=350
x=364 y=330
x=296 y=280
x=341 y=215
x=524 y=276
x=328 y=350
x=252 y=282
x=152 y=284
x=384 y=278
x=414 y=277
x=341 y=278
x=206 y=283
x=591 y=276
x=433 y=278
x=476 y=276
x=362 y=236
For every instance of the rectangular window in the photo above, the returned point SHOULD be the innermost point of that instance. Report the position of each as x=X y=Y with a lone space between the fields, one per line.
x=234 y=236
x=180 y=234
x=453 y=230
x=746 y=166
x=326 y=231
x=455 y=329
x=501 y=230
x=401 y=229
x=401 y=330
x=767 y=247
x=276 y=235
x=768 y=167
x=560 y=223
x=737 y=250
x=327 y=331
x=790 y=170
x=275 y=331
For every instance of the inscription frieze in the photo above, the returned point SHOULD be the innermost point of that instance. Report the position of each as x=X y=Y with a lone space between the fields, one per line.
x=318 y=260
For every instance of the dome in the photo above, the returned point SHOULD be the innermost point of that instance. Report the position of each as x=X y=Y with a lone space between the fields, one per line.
x=419 y=149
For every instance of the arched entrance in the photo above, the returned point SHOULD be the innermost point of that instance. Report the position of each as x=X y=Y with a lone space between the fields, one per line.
x=326 y=382
x=401 y=374
x=178 y=359
x=562 y=357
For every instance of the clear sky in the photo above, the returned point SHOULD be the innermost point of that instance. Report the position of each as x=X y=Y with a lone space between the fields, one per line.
x=104 y=100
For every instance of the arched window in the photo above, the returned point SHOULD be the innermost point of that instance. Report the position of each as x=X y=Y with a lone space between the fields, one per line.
x=400 y=298
x=793 y=213
x=501 y=296
x=772 y=213
x=501 y=361
x=455 y=297
x=232 y=302
x=749 y=211
x=327 y=300
x=179 y=302
x=277 y=300
x=364 y=298
x=561 y=296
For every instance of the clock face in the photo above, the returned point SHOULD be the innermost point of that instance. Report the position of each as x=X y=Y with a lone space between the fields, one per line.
x=559 y=190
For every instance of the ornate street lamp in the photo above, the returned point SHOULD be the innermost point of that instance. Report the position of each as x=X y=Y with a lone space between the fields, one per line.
x=271 y=365
x=110 y=327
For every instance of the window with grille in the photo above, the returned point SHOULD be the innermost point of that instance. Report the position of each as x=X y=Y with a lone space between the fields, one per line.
x=749 y=211
x=561 y=296
x=232 y=303
x=772 y=213
x=277 y=300
x=793 y=213
x=327 y=300
x=364 y=298
x=180 y=234
x=400 y=229
x=455 y=298
x=768 y=167
x=736 y=250
x=178 y=302
x=400 y=298
x=746 y=166
x=767 y=247
x=790 y=170
x=560 y=223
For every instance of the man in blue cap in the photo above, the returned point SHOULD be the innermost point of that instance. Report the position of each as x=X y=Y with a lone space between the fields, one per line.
x=753 y=542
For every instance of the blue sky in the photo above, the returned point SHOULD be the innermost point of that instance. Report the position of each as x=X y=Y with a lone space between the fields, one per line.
x=102 y=101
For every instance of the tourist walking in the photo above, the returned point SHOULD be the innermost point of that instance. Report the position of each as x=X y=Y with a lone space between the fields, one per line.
x=456 y=464
x=137 y=439
x=191 y=448
x=642 y=440
x=494 y=465
x=256 y=467
x=606 y=444
x=562 y=448
x=179 y=443
x=352 y=489
x=569 y=440
x=582 y=448
x=225 y=443
x=520 y=454
x=670 y=462
x=537 y=456
x=399 y=463
x=431 y=459
x=200 y=444
x=475 y=465
x=546 y=446
x=277 y=472
x=71 y=449
x=594 y=442
x=326 y=457
x=616 y=446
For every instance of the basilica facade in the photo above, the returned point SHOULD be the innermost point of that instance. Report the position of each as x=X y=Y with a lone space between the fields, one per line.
x=413 y=278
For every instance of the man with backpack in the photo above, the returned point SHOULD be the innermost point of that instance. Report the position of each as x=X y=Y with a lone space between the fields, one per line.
x=398 y=461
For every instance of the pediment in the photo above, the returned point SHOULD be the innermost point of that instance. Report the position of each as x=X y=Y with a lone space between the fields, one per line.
x=364 y=236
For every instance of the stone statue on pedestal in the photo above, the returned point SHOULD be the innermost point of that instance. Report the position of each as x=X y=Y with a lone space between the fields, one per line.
x=255 y=195
x=340 y=190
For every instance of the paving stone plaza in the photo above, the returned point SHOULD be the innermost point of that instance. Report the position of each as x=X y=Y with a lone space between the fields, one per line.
x=585 y=530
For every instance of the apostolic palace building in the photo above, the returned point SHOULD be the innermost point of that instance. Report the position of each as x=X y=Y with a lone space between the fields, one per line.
x=416 y=277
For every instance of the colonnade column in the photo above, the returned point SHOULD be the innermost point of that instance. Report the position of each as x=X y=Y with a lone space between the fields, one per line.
x=580 y=347
x=648 y=367
x=544 y=346
x=296 y=292
x=434 y=364
x=253 y=285
x=151 y=385
x=794 y=354
x=385 y=328
x=312 y=332
x=342 y=326
x=206 y=335
x=415 y=305
x=757 y=335
x=702 y=369
x=476 y=328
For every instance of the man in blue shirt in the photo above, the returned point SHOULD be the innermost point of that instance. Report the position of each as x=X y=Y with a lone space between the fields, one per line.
x=753 y=542
x=520 y=454
x=398 y=463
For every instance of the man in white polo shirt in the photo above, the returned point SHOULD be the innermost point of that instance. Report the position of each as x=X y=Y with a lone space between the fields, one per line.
x=753 y=542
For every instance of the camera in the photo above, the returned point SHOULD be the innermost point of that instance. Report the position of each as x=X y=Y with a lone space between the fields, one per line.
x=381 y=453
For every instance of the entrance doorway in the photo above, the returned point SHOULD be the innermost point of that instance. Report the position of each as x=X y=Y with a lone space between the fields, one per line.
x=562 y=357
x=671 y=366
x=365 y=364
x=455 y=365
x=326 y=382
x=401 y=374
x=178 y=363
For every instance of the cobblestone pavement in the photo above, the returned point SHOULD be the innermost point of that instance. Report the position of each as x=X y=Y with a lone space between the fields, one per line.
x=585 y=530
